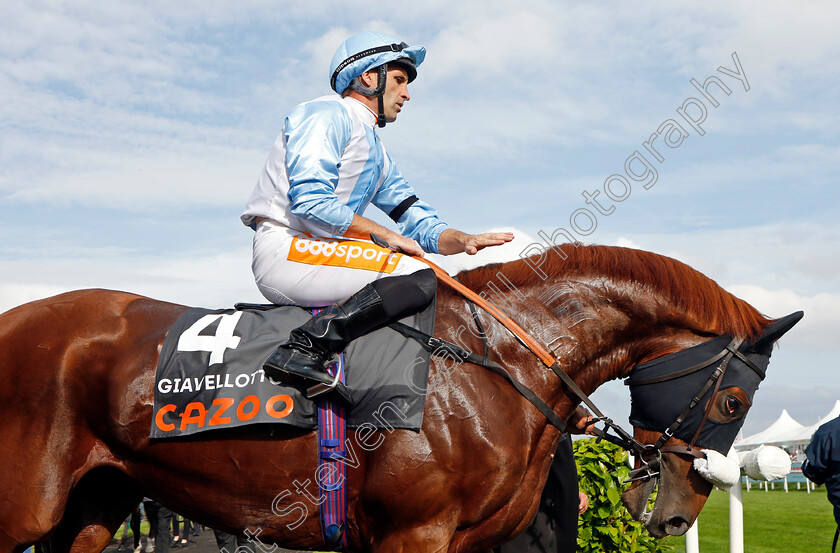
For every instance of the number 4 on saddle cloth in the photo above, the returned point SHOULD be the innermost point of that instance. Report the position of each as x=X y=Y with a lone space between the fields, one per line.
x=209 y=374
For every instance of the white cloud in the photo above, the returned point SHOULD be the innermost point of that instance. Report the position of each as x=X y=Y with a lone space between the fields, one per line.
x=623 y=242
x=215 y=281
x=785 y=41
x=13 y=294
x=510 y=251
x=95 y=75
x=490 y=45
x=796 y=255
x=804 y=171
x=219 y=177
x=818 y=328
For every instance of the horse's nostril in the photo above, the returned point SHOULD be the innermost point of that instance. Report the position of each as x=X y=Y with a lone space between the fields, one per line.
x=676 y=526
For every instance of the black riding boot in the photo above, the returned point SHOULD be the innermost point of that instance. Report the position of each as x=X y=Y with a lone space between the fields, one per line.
x=311 y=347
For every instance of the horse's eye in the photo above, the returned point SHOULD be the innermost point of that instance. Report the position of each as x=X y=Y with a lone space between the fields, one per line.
x=732 y=404
x=729 y=404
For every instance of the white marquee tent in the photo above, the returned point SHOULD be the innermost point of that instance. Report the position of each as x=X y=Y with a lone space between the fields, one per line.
x=786 y=431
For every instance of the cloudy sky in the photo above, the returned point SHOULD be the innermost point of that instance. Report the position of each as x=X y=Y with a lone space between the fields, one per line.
x=132 y=134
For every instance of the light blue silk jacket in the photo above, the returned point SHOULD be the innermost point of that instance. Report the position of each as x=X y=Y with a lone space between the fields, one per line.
x=327 y=164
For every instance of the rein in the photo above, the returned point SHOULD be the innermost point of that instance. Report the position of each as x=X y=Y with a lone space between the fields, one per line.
x=650 y=455
x=623 y=439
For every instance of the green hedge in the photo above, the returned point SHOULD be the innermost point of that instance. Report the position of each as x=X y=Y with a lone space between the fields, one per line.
x=607 y=525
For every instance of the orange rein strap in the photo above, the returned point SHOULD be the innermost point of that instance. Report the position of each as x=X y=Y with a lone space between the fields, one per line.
x=509 y=323
x=624 y=438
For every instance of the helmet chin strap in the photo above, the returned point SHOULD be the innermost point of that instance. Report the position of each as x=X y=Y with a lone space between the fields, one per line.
x=380 y=119
x=380 y=91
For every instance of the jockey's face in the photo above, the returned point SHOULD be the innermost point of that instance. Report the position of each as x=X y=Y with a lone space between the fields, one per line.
x=396 y=92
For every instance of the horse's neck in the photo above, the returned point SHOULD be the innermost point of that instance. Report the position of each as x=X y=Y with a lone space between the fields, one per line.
x=559 y=317
x=580 y=322
x=477 y=391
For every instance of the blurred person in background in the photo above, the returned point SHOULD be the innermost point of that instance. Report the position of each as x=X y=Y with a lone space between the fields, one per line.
x=822 y=465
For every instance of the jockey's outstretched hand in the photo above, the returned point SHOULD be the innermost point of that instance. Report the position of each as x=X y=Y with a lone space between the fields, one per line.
x=454 y=241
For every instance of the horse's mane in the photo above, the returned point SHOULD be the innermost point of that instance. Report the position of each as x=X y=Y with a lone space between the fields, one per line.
x=696 y=295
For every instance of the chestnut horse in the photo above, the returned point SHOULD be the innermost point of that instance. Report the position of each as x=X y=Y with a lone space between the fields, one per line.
x=77 y=377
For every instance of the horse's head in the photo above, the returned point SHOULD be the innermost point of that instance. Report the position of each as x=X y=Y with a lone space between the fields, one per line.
x=684 y=404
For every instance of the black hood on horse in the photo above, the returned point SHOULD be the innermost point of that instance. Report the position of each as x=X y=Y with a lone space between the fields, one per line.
x=660 y=390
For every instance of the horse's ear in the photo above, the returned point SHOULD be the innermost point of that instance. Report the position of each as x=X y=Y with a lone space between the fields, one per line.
x=776 y=329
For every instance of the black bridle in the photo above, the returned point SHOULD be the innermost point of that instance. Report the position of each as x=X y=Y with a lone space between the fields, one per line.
x=650 y=455
x=650 y=469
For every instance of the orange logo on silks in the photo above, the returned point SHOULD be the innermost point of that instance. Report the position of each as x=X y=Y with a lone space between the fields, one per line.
x=343 y=253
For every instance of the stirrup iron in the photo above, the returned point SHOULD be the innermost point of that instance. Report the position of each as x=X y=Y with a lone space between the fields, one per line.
x=336 y=388
x=322 y=388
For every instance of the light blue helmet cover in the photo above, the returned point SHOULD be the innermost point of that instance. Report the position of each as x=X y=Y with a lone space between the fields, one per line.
x=366 y=51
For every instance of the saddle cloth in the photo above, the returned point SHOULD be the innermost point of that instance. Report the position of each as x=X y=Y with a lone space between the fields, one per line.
x=209 y=375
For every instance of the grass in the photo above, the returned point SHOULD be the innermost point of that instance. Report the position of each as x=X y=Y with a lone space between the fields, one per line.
x=774 y=522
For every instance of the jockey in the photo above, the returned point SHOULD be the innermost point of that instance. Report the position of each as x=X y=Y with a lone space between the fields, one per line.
x=311 y=243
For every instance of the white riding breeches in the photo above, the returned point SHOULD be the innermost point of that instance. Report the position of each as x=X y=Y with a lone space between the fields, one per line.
x=296 y=268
